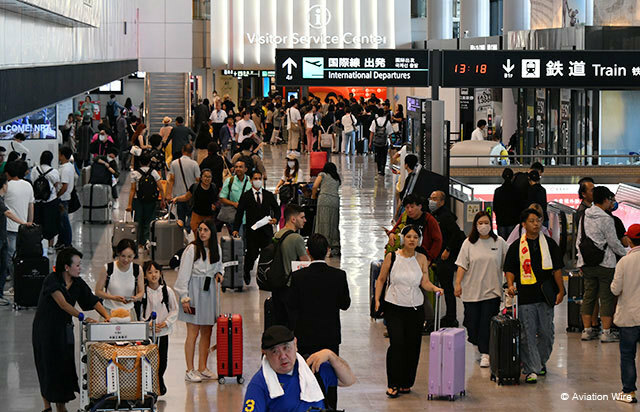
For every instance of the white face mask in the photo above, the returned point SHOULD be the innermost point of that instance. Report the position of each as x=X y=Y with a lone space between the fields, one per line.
x=102 y=137
x=484 y=229
x=257 y=184
x=291 y=165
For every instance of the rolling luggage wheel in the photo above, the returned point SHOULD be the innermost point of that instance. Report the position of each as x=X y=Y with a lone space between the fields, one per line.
x=221 y=381
x=240 y=380
x=452 y=398
x=463 y=393
x=430 y=397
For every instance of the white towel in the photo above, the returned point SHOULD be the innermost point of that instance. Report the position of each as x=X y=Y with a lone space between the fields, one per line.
x=309 y=388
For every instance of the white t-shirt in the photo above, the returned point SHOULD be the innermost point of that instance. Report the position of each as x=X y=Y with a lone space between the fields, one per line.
x=241 y=126
x=17 y=199
x=154 y=304
x=477 y=134
x=53 y=177
x=348 y=121
x=380 y=122
x=121 y=284
x=483 y=263
x=68 y=176
x=136 y=176
x=191 y=173
x=294 y=116
x=218 y=116
x=309 y=120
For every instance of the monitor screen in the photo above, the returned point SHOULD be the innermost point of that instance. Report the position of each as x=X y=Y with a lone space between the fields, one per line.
x=40 y=124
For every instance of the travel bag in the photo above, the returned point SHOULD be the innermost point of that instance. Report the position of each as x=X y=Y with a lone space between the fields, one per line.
x=374 y=272
x=575 y=292
x=229 y=347
x=96 y=203
x=29 y=275
x=317 y=161
x=166 y=238
x=268 y=313
x=232 y=251
x=504 y=348
x=29 y=242
x=124 y=229
x=446 y=360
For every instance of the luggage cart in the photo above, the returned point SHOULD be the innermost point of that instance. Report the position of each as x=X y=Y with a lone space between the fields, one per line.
x=133 y=332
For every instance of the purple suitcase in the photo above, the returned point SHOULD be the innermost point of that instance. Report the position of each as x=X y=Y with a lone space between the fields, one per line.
x=446 y=360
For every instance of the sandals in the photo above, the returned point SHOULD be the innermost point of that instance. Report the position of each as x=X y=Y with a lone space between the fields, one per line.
x=393 y=395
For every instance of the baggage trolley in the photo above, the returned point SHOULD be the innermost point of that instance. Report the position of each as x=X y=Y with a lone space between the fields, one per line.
x=133 y=332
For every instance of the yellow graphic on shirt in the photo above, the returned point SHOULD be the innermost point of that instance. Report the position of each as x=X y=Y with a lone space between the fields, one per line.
x=250 y=405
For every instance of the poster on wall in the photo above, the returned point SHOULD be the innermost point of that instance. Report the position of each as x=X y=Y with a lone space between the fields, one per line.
x=573 y=13
x=96 y=109
x=40 y=124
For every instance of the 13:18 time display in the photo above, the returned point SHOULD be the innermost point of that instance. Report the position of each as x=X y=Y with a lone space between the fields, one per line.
x=462 y=68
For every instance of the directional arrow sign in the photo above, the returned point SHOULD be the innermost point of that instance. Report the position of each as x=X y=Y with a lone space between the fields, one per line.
x=288 y=64
x=507 y=68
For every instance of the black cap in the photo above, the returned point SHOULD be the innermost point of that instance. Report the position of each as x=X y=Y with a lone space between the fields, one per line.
x=276 y=335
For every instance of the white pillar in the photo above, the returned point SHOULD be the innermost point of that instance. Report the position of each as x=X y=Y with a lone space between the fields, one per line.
x=516 y=15
x=588 y=12
x=474 y=18
x=439 y=19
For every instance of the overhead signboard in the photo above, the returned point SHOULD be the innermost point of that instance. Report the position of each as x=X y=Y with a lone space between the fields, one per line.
x=523 y=68
x=362 y=67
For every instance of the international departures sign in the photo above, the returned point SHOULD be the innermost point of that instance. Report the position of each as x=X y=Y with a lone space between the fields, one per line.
x=354 y=67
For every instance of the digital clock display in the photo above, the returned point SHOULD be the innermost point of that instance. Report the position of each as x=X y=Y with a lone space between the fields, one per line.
x=463 y=68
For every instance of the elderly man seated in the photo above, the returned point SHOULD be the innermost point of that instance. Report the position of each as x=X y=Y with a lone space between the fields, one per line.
x=288 y=383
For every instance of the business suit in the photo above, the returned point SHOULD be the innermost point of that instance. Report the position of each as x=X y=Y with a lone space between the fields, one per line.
x=255 y=239
x=226 y=137
x=316 y=296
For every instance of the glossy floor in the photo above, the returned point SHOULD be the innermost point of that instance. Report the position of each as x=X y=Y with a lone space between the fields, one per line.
x=575 y=367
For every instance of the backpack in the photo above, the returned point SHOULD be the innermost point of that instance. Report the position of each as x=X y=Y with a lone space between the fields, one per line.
x=99 y=174
x=111 y=109
x=271 y=274
x=136 y=273
x=41 y=186
x=592 y=255
x=380 y=134
x=147 y=188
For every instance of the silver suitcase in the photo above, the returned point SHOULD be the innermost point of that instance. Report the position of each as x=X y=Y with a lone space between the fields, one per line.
x=96 y=203
x=124 y=229
x=232 y=251
x=166 y=238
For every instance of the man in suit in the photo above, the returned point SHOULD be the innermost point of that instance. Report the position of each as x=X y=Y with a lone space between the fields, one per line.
x=318 y=293
x=420 y=181
x=257 y=203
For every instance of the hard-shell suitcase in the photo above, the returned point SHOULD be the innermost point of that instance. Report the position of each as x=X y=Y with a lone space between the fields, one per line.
x=446 y=360
x=166 y=238
x=232 y=251
x=575 y=294
x=29 y=274
x=29 y=242
x=124 y=229
x=85 y=175
x=268 y=313
x=317 y=161
x=374 y=272
x=96 y=203
x=229 y=347
x=504 y=348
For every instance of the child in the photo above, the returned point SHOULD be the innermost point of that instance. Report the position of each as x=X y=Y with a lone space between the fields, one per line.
x=159 y=298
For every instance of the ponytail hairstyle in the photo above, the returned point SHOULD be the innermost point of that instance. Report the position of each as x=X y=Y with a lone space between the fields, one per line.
x=165 y=291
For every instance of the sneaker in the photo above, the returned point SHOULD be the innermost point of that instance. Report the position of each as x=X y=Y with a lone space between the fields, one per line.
x=484 y=361
x=531 y=378
x=9 y=292
x=627 y=397
x=207 y=375
x=192 y=376
x=589 y=334
x=543 y=371
x=608 y=336
x=4 y=301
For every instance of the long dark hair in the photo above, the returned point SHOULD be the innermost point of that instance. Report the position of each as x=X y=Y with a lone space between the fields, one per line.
x=475 y=235
x=165 y=291
x=214 y=255
x=296 y=168
x=331 y=169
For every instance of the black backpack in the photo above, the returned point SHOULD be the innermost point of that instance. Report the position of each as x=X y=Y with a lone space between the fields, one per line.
x=592 y=255
x=380 y=134
x=111 y=106
x=99 y=174
x=41 y=186
x=147 y=188
x=271 y=273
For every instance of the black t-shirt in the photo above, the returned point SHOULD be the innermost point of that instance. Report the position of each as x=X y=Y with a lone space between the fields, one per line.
x=203 y=199
x=528 y=294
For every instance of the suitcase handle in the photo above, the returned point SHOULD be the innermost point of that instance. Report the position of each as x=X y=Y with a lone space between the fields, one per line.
x=436 y=316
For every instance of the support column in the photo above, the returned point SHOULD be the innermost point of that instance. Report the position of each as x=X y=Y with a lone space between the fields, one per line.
x=516 y=15
x=439 y=19
x=475 y=18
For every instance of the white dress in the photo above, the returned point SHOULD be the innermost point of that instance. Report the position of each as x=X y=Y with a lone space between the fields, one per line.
x=190 y=283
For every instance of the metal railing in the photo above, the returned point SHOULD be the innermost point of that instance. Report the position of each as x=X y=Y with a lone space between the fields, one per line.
x=460 y=190
x=549 y=160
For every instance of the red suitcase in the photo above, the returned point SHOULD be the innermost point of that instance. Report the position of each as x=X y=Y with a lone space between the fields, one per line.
x=229 y=347
x=317 y=161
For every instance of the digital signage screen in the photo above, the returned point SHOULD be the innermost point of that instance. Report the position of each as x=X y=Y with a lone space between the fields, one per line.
x=40 y=124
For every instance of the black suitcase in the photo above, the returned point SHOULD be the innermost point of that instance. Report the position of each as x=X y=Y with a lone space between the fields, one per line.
x=29 y=274
x=504 y=349
x=29 y=242
x=232 y=251
x=575 y=292
x=374 y=272
x=268 y=313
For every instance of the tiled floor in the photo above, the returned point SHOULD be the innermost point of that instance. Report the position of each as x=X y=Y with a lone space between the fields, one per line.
x=575 y=366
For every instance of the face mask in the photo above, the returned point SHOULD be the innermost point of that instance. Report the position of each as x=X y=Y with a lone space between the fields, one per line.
x=484 y=229
x=615 y=206
x=291 y=165
x=102 y=137
x=257 y=184
x=433 y=205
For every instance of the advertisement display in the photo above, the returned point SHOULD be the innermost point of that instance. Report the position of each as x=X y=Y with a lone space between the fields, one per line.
x=40 y=124
x=314 y=67
x=96 y=109
x=358 y=92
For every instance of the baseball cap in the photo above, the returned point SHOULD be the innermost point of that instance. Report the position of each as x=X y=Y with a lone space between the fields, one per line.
x=276 y=335
x=634 y=231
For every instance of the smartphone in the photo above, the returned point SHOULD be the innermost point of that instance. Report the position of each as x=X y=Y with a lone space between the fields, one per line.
x=192 y=310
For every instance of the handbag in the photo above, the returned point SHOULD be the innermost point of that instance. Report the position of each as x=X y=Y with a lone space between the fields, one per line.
x=379 y=314
x=592 y=255
x=326 y=140
x=226 y=173
x=74 y=202
x=227 y=213
x=135 y=151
